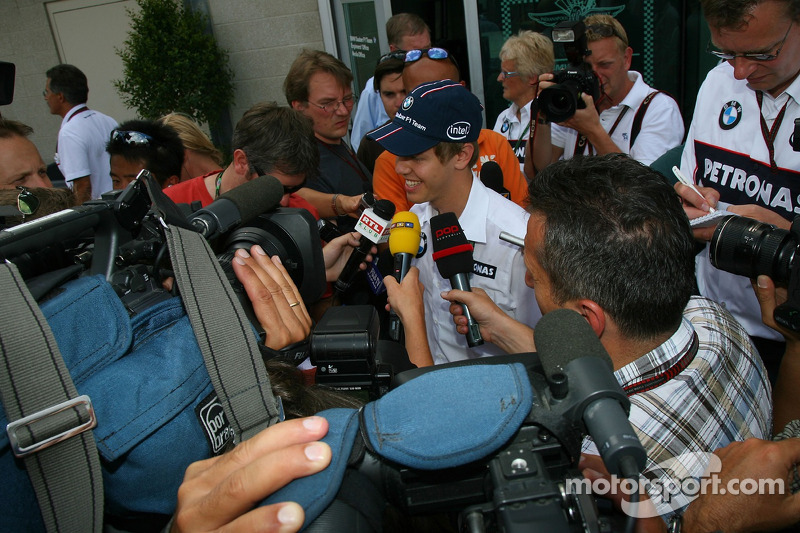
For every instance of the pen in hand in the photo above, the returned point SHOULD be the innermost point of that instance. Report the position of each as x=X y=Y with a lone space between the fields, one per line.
x=683 y=179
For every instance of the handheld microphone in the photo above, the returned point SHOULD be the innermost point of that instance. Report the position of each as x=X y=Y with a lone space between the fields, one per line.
x=492 y=176
x=373 y=225
x=453 y=256
x=404 y=234
x=240 y=204
x=576 y=363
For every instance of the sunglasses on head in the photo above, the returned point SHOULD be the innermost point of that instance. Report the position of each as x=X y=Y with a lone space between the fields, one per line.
x=287 y=189
x=605 y=30
x=131 y=137
x=395 y=54
x=433 y=53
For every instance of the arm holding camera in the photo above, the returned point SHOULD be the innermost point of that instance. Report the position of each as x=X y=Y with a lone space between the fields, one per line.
x=276 y=301
x=784 y=397
x=221 y=492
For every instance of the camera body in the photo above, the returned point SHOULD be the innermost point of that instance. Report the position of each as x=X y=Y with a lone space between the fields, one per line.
x=749 y=248
x=560 y=101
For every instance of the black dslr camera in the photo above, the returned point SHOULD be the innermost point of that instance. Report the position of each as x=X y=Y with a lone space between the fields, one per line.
x=749 y=248
x=559 y=102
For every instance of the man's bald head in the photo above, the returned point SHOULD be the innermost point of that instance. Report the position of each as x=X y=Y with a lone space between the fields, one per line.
x=425 y=70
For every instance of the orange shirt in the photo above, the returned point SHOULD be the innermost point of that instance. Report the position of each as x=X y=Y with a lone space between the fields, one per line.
x=389 y=185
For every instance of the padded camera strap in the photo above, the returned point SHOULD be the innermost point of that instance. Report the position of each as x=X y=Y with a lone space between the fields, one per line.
x=224 y=335
x=50 y=425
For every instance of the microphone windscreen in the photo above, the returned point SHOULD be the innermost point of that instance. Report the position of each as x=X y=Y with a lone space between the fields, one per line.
x=563 y=335
x=384 y=209
x=452 y=252
x=404 y=233
x=492 y=176
x=256 y=196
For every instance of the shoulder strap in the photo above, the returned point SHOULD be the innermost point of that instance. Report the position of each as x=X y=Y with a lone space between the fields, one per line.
x=45 y=411
x=224 y=334
x=639 y=117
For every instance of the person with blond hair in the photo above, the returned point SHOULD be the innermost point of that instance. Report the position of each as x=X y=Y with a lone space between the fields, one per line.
x=200 y=155
x=522 y=59
x=628 y=116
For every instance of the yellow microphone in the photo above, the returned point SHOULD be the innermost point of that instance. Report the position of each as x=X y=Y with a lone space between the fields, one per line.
x=404 y=234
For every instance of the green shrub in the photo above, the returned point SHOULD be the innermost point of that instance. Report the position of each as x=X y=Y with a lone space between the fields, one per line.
x=170 y=64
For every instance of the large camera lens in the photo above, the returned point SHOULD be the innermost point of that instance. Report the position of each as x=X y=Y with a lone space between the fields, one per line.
x=559 y=102
x=749 y=248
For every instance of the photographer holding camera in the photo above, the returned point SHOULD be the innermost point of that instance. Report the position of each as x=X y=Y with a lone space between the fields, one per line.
x=742 y=146
x=606 y=124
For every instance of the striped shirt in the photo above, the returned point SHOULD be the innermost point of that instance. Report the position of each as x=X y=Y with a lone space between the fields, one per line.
x=722 y=396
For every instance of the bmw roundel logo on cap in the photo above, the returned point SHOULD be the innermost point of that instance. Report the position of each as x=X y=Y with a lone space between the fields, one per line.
x=408 y=102
x=730 y=115
x=458 y=131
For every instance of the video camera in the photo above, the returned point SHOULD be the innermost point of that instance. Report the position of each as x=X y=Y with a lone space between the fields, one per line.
x=121 y=237
x=747 y=247
x=560 y=101
x=486 y=445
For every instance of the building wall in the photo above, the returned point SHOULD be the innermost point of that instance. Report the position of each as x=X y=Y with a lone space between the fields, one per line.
x=26 y=41
x=262 y=38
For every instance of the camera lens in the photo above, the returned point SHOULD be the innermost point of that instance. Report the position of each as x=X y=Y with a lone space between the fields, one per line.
x=748 y=247
x=559 y=102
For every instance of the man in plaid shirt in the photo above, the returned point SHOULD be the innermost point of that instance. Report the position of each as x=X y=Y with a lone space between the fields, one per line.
x=608 y=238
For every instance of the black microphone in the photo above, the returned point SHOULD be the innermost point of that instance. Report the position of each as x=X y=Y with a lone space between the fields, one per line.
x=240 y=204
x=453 y=256
x=404 y=234
x=373 y=225
x=576 y=363
x=492 y=176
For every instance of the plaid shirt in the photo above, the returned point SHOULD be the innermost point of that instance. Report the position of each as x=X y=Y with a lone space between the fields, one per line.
x=723 y=395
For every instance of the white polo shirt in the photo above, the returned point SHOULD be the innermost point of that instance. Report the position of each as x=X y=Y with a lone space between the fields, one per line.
x=499 y=269
x=662 y=125
x=82 y=147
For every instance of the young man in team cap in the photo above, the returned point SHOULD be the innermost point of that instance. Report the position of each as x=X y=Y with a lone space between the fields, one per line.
x=434 y=138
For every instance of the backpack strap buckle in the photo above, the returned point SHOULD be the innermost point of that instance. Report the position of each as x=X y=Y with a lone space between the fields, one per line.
x=84 y=421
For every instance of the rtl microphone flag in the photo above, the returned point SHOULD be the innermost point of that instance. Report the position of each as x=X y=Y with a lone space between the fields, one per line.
x=373 y=225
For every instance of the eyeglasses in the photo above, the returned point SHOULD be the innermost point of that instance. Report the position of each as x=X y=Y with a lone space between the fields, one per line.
x=752 y=56
x=27 y=202
x=286 y=188
x=131 y=137
x=433 y=53
x=506 y=74
x=605 y=30
x=333 y=107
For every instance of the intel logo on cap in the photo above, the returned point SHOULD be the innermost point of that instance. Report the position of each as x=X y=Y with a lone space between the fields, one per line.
x=408 y=102
x=458 y=131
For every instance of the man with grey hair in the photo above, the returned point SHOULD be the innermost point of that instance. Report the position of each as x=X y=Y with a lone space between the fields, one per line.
x=81 y=150
x=743 y=146
x=522 y=59
x=608 y=125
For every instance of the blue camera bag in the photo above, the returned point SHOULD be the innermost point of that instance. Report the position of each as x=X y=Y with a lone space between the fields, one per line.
x=169 y=386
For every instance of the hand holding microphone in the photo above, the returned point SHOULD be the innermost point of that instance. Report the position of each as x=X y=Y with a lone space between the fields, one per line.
x=404 y=237
x=373 y=225
x=452 y=253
